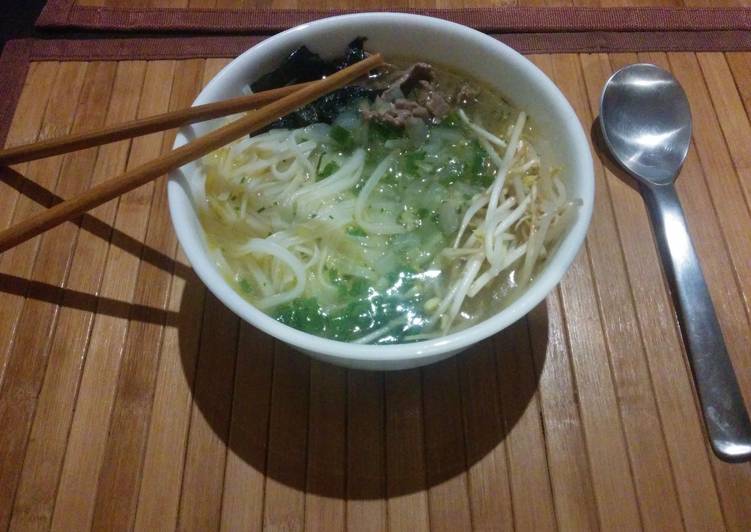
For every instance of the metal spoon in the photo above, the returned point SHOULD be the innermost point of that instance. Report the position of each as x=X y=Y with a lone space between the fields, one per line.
x=646 y=123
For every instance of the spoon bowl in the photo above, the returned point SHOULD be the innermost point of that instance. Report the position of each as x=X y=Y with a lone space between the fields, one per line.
x=646 y=122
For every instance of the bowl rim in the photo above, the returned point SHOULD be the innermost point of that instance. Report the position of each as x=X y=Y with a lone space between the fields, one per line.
x=454 y=342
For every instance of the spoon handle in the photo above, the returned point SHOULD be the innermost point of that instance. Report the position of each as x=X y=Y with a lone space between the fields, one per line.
x=725 y=416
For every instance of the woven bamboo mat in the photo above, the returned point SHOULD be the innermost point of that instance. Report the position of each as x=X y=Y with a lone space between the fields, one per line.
x=130 y=397
x=499 y=16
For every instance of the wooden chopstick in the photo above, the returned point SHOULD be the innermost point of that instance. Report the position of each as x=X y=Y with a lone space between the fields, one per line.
x=141 y=175
x=143 y=126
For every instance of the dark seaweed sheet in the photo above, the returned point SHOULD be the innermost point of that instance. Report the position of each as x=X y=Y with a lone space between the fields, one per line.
x=303 y=65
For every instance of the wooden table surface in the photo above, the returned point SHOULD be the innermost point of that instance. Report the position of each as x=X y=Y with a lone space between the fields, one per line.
x=131 y=398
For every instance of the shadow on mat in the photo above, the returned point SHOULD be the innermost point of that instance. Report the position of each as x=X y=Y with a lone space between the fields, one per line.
x=353 y=434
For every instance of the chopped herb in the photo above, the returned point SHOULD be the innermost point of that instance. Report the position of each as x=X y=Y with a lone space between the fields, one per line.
x=356 y=230
x=412 y=160
x=348 y=285
x=245 y=286
x=478 y=164
x=342 y=137
x=318 y=165
x=452 y=119
x=366 y=311
x=328 y=170
x=303 y=314
x=382 y=132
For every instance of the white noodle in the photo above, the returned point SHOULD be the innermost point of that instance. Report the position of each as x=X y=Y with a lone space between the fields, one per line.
x=290 y=231
x=378 y=228
x=267 y=247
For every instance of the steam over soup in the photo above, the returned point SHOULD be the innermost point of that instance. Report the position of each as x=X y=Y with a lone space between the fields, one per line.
x=404 y=207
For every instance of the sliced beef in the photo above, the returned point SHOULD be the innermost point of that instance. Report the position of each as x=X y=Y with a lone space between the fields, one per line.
x=433 y=100
x=409 y=81
x=412 y=96
x=466 y=93
x=396 y=113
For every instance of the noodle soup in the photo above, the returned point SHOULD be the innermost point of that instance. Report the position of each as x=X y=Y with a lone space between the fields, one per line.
x=409 y=207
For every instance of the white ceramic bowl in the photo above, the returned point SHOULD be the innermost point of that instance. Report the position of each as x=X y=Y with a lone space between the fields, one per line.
x=431 y=40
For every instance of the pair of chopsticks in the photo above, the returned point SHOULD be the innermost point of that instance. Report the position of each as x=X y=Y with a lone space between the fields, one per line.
x=278 y=103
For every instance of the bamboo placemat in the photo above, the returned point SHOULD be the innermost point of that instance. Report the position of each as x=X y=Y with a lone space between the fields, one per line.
x=130 y=397
x=232 y=16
